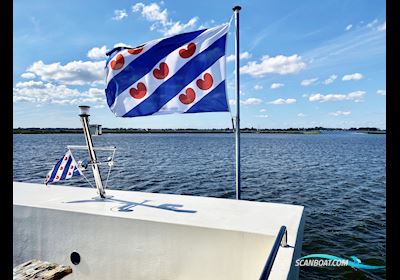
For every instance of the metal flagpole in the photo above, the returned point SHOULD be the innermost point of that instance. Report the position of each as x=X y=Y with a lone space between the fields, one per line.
x=96 y=173
x=236 y=10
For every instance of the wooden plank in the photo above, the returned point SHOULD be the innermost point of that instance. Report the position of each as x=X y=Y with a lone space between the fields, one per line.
x=37 y=269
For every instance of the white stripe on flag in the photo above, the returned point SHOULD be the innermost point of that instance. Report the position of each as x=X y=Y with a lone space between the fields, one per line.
x=124 y=102
x=73 y=165
x=62 y=167
x=217 y=71
x=128 y=58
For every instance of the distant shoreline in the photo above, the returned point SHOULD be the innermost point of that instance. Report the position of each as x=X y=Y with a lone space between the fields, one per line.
x=316 y=130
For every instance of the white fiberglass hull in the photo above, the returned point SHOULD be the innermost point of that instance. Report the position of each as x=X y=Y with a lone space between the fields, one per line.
x=137 y=235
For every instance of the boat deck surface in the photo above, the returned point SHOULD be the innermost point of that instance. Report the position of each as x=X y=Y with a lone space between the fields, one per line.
x=227 y=214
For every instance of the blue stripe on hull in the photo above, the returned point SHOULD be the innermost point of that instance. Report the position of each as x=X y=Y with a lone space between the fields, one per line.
x=145 y=63
x=190 y=71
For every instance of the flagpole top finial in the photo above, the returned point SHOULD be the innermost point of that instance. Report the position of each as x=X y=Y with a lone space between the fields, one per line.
x=236 y=8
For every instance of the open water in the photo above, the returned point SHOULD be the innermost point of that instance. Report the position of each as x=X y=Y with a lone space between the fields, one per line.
x=340 y=178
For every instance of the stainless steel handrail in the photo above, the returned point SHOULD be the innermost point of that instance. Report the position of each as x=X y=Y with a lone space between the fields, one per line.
x=281 y=240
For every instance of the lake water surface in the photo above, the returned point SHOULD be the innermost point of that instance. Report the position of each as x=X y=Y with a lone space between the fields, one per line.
x=340 y=178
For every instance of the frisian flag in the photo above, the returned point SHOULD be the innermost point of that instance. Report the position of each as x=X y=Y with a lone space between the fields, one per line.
x=184 y=73
x=65 y=168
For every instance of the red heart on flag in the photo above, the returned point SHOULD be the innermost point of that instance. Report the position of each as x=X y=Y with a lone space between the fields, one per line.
x=57 y=177
x=118 y=62
x=206 y=83
x=162 y=72
x=189 y=97
x=69 y=173
x=140 y=92
x=136 y=50
x=189 y=51
x=61 y=168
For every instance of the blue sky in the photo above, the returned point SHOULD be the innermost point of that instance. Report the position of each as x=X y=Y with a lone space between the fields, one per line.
x=304 y=63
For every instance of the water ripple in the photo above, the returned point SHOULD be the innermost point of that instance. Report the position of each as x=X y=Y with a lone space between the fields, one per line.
x=339 y=178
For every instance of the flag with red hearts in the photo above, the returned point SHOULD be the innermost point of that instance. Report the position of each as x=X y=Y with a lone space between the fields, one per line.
x=64 y=169
x=184 y=73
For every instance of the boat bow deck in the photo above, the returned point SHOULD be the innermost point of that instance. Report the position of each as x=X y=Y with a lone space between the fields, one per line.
x=235 y=233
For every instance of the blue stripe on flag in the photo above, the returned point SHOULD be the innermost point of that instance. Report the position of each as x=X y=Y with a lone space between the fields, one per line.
x=145 y=63
x=190 y=71
x=76 y=172
x=55 y=170
x=214 y=101
x=66 y=168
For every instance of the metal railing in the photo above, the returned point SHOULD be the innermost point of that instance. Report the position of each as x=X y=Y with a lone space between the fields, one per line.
x=280 y=241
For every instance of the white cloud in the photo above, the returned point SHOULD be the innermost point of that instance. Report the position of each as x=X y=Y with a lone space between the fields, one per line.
x=263 y=110
x=97 y=53
x=330 y=80
x=42 y=93
x=231 y=84
x=258 y=87
x=29 y=84
x=251 y=101
x=279 y=64
x=27 y=75
x=230 y=58
x=301 y=115
x=207 y=24
x=372 y=23
x=305 y=95
x=122 y=45
x=355 y=76
x=99 y=106
x=22 y=99
x=263 y=116
x=281 y=101
x=248 y=101
x=119 y=14
x=308 y=82
x=177 y=27
x=276 y=85
x=381 y=92
x=160 y=18
x=357 y=96
x=243 y=55
x=382 y=27
x=348 y=27
x=340 y=113
x=72 y=73
x=151 y=12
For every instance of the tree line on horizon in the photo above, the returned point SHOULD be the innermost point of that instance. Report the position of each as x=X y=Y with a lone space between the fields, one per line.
x=34 y=130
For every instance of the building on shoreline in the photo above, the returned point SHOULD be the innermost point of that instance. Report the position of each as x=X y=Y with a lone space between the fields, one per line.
x=95 y=129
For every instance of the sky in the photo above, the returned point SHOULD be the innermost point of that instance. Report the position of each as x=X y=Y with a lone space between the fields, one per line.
x=302 y=63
